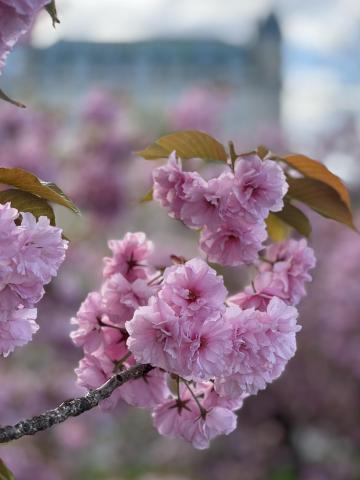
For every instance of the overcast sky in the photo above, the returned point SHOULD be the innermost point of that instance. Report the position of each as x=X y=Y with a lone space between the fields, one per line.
x=321 y=39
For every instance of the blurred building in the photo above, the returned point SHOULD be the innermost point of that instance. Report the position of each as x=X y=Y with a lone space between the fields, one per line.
x=156 y=71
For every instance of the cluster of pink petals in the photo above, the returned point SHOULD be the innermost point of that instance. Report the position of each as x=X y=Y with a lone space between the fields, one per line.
x=208 y=352
x=262 y=344
x=188 y=330
x=283 y=273
x=180 y=417
x=230 y=209
x=16 y=19
x=128 y=283
x=31 y=252
x=182 y=330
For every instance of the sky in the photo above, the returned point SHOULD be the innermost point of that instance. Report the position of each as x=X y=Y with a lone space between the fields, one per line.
x=321 y=41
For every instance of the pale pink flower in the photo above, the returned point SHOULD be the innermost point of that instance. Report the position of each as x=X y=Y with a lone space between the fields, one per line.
x=130 y=256
x=204 y=349
x=121 y=298
x=259 y=185
x=199 y=430
x=290 y=262
x=205 y=201
x=169 y=415
x=8 y=232
x=193 y=289
x=27 y=286
x=89 y=320
x=41 y=248
x=93 y=371
x=258 y=295
x=171 y=185
x=16 y=18
x=154 y=334
x=212 y=399
x=16 y=328
x=263 y=342
x=233 y=245
x=9 y=300
x=147 y=391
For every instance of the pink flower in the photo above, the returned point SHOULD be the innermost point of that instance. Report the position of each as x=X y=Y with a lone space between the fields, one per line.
x=16 y=18
x=213 y=399
x=9 y=300
x=8 y=232
x=258 y=295
x=233 y=245
x=30 y=255
x=147 y=391
x=16 y=328
x=203 y=349
x=93 y=371
x=290 y=262
x=193 y=289
x=171 y=184
x=259 y=185
x=200 y=430
x=89 y=318
x=27 y=287
x=41 y=248
x=181 y=418
x=263 y=342
x=169 y=415
x=153 y=334
x=205 y=201
x=130 y=256
x=122 y=298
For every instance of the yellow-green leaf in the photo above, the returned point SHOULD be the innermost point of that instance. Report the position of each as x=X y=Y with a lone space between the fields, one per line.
x=5 y=97
x=318 y=171
x=52 y=11
x=187 y=144
x=27 y=202
x=26 y=181
x=294 y=217
x=262 y=151
x=277 y=229
x=148 y=197
x=322 y=198
x=5 y=473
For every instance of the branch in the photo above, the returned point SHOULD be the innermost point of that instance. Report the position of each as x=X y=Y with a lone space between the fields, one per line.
x=71 y=408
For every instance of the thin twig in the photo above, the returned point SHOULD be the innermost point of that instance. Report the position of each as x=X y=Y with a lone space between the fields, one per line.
x=71 y=408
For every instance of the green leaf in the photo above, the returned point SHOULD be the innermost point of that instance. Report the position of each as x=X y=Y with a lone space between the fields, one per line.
x=26 y=181
x=5 y=97
x=322 y=198
x=317 y=171
x=277 y=229
x=27 y=202
x=5 y=473
x=294 y=217
x=52 y=11
x=148 y=197
x=187 y=144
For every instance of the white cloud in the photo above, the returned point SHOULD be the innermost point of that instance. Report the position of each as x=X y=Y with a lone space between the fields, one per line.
x=121 y=20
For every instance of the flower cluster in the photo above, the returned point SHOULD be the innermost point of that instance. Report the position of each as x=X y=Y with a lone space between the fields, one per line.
x=31 y=253
x=230 y=209
x=283 y=272
x=208 y=353
x=128 y=283
x=16 y=18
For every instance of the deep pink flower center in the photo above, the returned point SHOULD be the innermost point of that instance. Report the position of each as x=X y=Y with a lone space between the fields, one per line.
x=192 y=296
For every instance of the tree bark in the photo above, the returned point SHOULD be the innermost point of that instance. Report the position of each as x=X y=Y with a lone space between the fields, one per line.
x=71 y=408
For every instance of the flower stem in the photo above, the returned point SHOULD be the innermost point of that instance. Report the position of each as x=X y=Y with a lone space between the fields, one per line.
x=203 y=412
